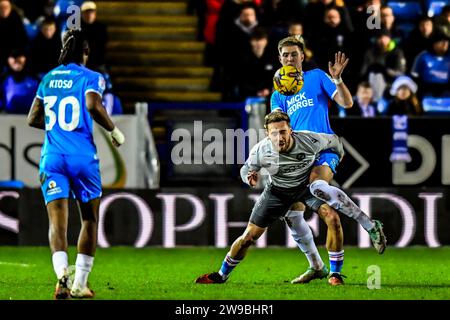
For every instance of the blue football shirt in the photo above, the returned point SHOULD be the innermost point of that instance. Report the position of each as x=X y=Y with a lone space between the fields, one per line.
x=68 y=123
x=432 y=68
x=308 y=109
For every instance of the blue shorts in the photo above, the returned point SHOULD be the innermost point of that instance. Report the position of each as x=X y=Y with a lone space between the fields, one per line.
x=328 y=158
x=61 y=175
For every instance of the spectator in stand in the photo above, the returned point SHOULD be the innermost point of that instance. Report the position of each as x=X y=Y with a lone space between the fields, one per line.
x=405 y=100
x=275 y=13
x=442 y=22
x=383 y=63
x=418 y=40
x=363 y=105
x=12 y=32
x=230 y=11
x=31 y=9
x=111 y=101
x=295 y=28
x=47 y=12
x=46 y=48
x=363 y=16
x=315 y=13
x=333 y=37
x=234 y=44
x=17 y=86
x=96 y=34
x=259 y=67
x=213 y=8
x=431 y=68
x=388 y=23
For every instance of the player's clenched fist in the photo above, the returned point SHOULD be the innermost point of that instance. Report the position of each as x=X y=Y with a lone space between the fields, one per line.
x=117 y=137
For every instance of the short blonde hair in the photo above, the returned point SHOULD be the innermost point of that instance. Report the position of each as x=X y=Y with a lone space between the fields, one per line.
x=292 y=41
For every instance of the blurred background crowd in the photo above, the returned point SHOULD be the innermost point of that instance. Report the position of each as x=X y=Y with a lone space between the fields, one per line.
x=398 y=50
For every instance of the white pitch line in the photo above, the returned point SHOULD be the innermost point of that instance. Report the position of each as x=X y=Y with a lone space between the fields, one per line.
x=16 y=264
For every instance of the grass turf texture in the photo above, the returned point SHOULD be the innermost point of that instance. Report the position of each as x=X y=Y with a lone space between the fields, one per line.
x=125 y=273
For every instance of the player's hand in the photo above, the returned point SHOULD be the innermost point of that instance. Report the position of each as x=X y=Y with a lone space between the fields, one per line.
x=252 y=178
x=117 y=137
x=340 y=62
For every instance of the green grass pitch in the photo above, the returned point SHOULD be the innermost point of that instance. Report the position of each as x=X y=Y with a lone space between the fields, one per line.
x=124 y=273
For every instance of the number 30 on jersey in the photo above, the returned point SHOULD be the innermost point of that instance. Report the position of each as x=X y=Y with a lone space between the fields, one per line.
x=52 y=117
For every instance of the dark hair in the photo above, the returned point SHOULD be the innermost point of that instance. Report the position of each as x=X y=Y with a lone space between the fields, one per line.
x=276 y=116
x=445 y=9
x=247 y=5
x=48 y=21
x=364 y=84
x=258 y=34
x=17 y=52
x=294 y=22
x=74 y=47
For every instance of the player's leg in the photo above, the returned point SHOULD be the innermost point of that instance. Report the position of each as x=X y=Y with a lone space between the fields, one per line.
x=320 y=178
x=239 y=249
x=87 y=243
x=86 y=186
x=269 y=207
x=235 y=255
x=335 y=242
x=55 y=190
x=58 y=213
x=303 y=236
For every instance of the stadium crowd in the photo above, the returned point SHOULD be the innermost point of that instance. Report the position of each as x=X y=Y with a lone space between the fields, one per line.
x=31 y=42
x=399 y=54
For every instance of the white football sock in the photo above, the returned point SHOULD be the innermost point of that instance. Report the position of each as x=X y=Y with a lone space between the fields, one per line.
x=60 y=263
x=339 y=200
x=303 y=236
x=83 y=267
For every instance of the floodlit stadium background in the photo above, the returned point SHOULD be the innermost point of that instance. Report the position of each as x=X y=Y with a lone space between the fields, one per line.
x=163 y=69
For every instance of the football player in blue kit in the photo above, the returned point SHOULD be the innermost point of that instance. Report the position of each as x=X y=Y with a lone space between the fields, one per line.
x=308 y=111
x=67 y=100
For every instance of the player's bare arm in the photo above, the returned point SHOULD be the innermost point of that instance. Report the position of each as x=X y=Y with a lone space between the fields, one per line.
x=99 y=114
x=36 y=115
x=343 y=96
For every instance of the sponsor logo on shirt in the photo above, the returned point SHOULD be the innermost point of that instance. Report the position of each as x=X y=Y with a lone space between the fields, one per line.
x=298 y=101
x=61 y=72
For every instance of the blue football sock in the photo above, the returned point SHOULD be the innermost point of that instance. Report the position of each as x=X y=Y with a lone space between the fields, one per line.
x=228 y=265
x=336 y=261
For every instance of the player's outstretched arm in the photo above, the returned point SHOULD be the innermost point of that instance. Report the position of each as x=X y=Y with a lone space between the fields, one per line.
x=36 y=114
x=343 y=97
x=99 y=114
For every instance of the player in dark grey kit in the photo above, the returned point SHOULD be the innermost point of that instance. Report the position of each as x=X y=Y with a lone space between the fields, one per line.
x=288 y=158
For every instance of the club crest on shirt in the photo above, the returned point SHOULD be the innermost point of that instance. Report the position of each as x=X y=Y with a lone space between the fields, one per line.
x=101 y=82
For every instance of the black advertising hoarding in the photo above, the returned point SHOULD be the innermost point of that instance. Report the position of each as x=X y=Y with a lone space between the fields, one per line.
x=368 y=146
x=368 y=143
x=215 y=217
